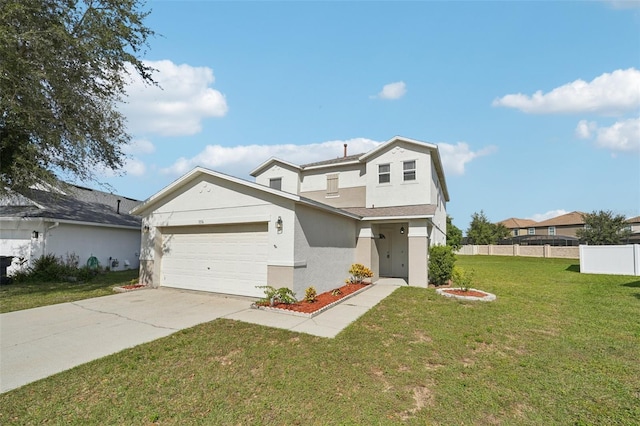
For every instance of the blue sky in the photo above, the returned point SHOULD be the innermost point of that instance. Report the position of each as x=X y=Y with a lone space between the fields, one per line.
x=535 y=105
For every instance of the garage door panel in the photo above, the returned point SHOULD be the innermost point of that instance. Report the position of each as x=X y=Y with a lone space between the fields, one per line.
x=224 y=259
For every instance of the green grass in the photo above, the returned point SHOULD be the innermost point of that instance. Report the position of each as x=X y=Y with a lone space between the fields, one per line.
x=18 y=296
x=556 y=348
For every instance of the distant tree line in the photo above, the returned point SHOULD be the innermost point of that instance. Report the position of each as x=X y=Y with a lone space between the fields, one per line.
x=601 y=228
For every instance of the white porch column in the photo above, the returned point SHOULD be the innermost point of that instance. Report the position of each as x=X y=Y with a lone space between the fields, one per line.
x=418 y=252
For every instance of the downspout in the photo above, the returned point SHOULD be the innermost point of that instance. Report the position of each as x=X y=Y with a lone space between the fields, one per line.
x=44 y=240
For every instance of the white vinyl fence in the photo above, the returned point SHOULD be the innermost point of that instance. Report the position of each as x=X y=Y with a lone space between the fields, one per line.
x=614 y=260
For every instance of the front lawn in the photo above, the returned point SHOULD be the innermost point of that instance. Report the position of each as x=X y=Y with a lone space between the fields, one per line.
x=557 y=347
x=18 y=296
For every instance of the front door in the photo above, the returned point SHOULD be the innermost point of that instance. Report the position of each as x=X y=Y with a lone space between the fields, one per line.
x=384 y=251
x=393 y=251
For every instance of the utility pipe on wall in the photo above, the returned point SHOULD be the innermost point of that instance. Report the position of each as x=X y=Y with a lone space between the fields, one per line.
x=44 y=237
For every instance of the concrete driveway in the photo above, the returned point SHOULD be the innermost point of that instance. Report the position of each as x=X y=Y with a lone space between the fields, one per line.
x=37 y=343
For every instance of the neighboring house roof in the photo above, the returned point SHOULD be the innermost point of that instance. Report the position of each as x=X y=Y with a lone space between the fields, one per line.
x=57 y=206
x=573 y=218
x=422 y=210
x=106 y=198
x=515 y=223
x=634 y=219
x=199 y=171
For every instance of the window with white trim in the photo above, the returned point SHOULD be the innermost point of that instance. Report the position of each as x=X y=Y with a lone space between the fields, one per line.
x=531 y=231
x=332 y=184
x=275 y=183
x=516 y=232
x=409 y=170
x=384 y=173
x=552 y=230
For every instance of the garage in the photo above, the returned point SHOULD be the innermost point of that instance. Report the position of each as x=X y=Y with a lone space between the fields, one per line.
x=230 y=259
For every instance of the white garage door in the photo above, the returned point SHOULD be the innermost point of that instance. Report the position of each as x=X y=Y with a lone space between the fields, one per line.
x=228 y=259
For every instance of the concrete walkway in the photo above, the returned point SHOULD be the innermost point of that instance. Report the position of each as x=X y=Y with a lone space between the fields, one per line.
x=37 y=343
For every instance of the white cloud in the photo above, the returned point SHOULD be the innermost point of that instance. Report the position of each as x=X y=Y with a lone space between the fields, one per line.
x=139 y=146
x=585 y=129
x=622 y=136
x=134 y=167
x=624 y=4
x=131 y=166
x=178 y=107
x=539 y=217
x=240 y=160
x=455 y=157
x=609 y=93
x=392 y=91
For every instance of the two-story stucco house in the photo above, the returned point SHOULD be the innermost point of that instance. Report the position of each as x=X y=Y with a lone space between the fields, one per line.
x=298 y=225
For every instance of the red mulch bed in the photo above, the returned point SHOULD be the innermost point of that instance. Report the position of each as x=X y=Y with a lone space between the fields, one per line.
x=472 y=293
x=323 y=300
x=132 y=286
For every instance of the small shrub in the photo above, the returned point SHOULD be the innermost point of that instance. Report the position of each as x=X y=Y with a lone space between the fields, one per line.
x=441 y=261
x=310 y=295
x=336 y=292
x=49 y=268
x=274 y=295
x=358 y=273
x=462 y=278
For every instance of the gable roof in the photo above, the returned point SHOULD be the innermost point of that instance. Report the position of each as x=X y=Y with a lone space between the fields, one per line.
x=420 y=210
x=430 y=146
x=573 y=218
x=515 y=223
x=270 y=161
x=59 y=206
x=361 y=158
x=200 y=171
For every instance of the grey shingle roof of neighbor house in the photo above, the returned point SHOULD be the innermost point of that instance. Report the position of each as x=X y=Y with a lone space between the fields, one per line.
x=81 y=205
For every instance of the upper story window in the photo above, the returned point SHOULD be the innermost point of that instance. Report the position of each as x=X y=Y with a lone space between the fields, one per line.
x=516 y=232
x=384 y=173
x=532 y=231
x=552 y=230
x=332 y=184
x=409 y=170
x=275 y=183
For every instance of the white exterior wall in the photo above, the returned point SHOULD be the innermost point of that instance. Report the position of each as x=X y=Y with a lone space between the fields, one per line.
x=99 y=241
x=326 y=245
x=289 y=176
x=211 y=201
x=438 y=235
x=84 y=240
x=398 y=192
x=348 y=177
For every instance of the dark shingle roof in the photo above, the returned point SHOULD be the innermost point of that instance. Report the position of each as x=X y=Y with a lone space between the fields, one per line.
x=333 y=161
x=33 y=203
x=417 y=210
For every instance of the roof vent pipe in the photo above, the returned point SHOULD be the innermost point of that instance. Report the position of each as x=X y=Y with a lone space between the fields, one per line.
x=345 y=150
x=118 y=208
